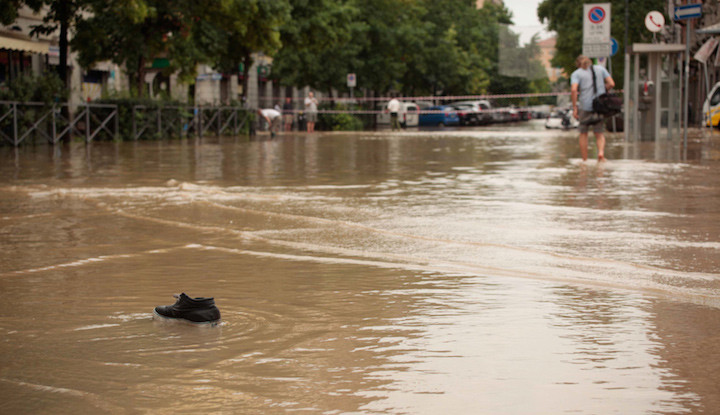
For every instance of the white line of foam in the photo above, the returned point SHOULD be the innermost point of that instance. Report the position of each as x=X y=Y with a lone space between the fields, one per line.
x=421 y=265
x=94 y=399
x=95 y=326
x=85 y=261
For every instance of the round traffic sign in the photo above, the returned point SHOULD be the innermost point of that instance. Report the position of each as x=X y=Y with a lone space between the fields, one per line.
x=654 y=21
x=597 y=14
x=614 y=46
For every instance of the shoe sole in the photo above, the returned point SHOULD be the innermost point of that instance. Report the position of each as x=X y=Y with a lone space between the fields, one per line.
x=159 y=317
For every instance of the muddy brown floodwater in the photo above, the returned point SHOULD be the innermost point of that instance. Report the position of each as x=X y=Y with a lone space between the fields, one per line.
x=473 y=271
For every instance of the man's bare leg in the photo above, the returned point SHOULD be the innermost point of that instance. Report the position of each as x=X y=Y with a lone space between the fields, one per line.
x=584 y=145
x=600 y=138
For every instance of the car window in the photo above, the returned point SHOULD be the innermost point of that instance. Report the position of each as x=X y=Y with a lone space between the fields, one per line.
x=715 y=98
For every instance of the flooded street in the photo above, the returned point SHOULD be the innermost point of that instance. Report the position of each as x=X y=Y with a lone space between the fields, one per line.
x=457 y=271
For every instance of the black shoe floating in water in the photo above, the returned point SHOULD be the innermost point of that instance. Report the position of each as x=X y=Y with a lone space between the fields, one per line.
x=192 y=310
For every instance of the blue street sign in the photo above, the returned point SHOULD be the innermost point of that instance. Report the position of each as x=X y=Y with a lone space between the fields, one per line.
x=614 y=46
x=688 y=11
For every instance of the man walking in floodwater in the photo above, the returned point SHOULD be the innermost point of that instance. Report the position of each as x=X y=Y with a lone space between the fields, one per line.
x=583 y=92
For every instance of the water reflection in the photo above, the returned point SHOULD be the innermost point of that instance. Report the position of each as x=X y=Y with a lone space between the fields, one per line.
x=464 y=271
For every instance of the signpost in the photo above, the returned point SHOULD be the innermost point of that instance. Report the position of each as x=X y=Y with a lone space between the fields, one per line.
x=686 y=12
x=654 y=21
x=351 y=83
x=614 y=46
x=596 y=30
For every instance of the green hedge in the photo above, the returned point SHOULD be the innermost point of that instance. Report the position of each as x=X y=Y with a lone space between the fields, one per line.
x=339 y=122
x=45 y=88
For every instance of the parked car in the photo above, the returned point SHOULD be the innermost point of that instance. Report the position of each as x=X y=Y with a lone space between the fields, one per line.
x=514 y=114
x=501 y=115
x=439 y=115
x=482 y=109
x=525 y=114
x=408 y=115
x=467 y=114
x=562 y=119
x=711 y=107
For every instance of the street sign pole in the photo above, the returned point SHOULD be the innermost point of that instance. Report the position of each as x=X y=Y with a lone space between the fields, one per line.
x=687 y=85
x=352 y=83
x=687 y=12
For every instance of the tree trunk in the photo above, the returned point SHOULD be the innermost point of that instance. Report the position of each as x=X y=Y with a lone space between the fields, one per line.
x=140 y=81
x=247 y=62
x=64 y=15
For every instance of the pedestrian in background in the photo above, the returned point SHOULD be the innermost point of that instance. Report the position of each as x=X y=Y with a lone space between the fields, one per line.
x=288 y=114
x=272 y=117
x=311 y=111
x=582 y=93
x=394 y=108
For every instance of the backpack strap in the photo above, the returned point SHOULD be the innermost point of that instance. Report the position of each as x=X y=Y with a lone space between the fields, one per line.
x=594 y=81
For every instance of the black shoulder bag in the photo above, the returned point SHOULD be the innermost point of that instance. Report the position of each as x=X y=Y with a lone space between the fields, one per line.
x=607 y=104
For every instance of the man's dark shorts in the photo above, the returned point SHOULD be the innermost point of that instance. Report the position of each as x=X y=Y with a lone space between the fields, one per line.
x=598 y=127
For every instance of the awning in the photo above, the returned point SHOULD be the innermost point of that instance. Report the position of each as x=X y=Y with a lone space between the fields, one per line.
x=159 y=63
x=24 y=45
x=709 y=30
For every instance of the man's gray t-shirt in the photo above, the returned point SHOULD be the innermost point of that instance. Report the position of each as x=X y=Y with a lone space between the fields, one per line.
x=583 y=77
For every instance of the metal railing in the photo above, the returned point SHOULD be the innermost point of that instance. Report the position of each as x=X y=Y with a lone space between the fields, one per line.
x=21 y=121
x=182 y=121
x=25 y=121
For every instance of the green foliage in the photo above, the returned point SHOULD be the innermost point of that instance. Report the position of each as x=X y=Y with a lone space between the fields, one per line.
x=9 y=11
x=417 y=47
x=247 y=26
x=340 y=121
x=46 y=88
x=126 y=104
x=222 y=33
x=565 y=18
x=321 y=43
x=58 y=12
x=133 y=33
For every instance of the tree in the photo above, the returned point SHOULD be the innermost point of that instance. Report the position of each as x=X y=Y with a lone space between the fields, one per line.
x=394 y=31
x=133 y=33
x=321 y=44
x=565 y=18
x=417 y=47
x=61 y=14
x=247 y=26
x=9 y=11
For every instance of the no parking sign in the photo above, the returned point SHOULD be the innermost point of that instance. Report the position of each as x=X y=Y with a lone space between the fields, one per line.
x=596 y=14
x=596 y=30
